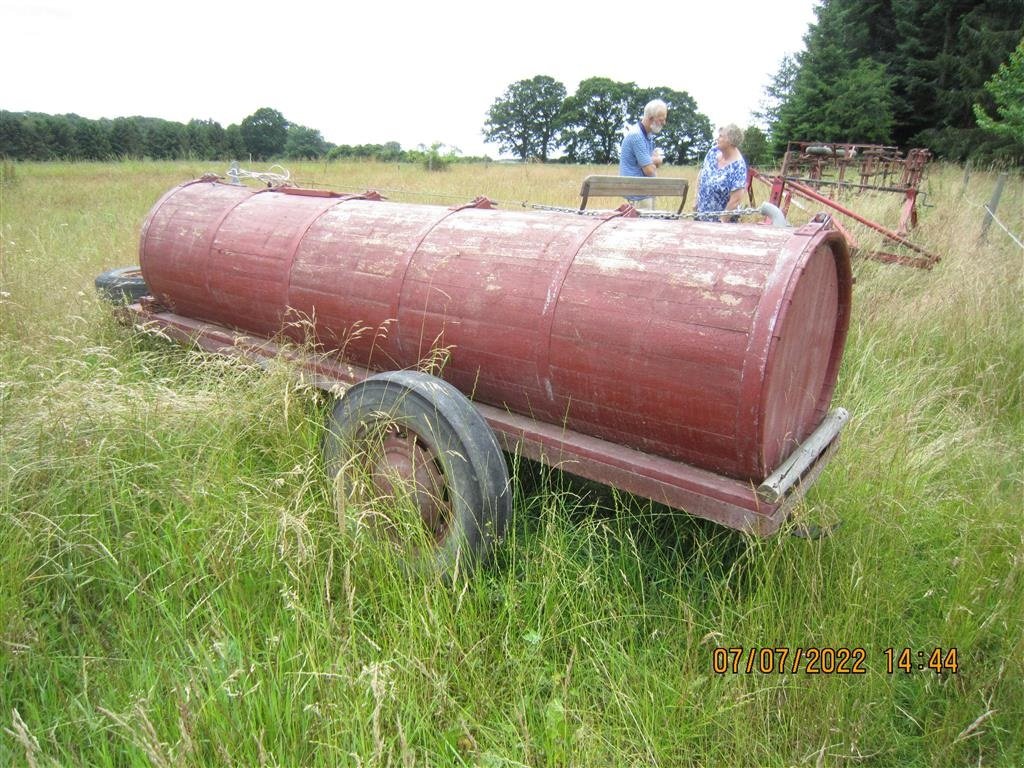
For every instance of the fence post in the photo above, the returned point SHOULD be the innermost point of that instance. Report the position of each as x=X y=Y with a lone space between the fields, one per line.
x=990 y=209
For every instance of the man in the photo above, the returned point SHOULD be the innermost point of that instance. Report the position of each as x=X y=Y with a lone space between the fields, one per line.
x=638 y=157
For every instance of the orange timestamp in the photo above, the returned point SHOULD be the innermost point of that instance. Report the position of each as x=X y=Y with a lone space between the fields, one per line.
x=908 y=660
x=828 y=661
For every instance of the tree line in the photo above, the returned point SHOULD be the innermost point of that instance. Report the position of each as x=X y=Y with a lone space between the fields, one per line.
x=263 y=135
x=943 y=74
x=535 y=119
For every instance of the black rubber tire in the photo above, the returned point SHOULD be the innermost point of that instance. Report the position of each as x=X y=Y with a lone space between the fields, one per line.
x=445 y=426
x=124 y=285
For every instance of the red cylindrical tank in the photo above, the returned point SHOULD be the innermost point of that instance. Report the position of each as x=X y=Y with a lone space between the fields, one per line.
x=716 y=345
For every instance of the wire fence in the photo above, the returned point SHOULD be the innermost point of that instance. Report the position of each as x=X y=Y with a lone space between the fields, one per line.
x=1002 y=226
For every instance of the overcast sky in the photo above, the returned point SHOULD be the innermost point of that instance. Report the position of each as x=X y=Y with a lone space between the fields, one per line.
x=370 y=72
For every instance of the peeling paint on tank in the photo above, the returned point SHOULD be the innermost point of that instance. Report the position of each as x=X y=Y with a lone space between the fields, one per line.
x=728 y=299
x=613 y=264
x=744 y=281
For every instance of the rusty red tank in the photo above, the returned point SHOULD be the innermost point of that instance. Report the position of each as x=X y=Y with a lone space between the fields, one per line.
x=710 y=344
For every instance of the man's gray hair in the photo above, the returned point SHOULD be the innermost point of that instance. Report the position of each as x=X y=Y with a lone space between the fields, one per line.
x=733 y=134
x=654 y=107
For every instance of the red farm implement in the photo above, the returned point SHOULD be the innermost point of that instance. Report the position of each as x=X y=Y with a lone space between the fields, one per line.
x=810 y=168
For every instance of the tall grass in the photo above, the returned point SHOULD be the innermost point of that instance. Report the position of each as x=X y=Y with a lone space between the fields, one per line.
x=175 y=588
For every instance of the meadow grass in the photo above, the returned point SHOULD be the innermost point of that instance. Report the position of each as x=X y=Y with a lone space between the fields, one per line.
x=175 y=588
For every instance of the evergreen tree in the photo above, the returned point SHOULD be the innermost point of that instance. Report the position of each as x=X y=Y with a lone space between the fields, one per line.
x=948 y=50
x=861 y=107
x=777 y=92
x=896 y=71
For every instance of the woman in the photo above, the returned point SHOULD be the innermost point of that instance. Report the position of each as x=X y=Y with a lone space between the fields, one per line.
x=723 y=177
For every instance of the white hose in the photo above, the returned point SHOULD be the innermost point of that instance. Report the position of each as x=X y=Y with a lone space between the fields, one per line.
x=778 y=218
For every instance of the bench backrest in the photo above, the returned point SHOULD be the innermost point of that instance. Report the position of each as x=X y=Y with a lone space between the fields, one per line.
x=621 y=186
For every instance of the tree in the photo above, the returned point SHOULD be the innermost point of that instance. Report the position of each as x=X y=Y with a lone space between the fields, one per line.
x=757 y=151
x=204 y=140
x=265 y=132
x=897 y=71
x=304 y=143
x=687 y=134
x=35 y=137
x=163 y=139
x=526 y=119
x=594 y=117
x=60 y=136
x=861 y=107
x=948 y=49
x=1006 y=87
x=13 y=136
x=91 y=140
x=125 y=138
x=234 y=144
x=833 y=46
x=777 y=93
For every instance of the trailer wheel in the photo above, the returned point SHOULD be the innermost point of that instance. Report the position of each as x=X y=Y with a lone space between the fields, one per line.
x=124 y=285
x=410 y=454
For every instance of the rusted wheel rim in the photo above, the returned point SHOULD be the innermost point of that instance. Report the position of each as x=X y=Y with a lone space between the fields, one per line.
x=405 y=465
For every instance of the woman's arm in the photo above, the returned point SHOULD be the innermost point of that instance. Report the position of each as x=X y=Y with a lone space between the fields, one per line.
x=734 y=202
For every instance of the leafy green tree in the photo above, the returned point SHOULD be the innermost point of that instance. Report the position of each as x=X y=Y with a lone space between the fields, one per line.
x=60 y=136
x=526 y=119
x=438 y=157
x=687 y=133
x=390 y=152
x=91 y=141
x=234 y=144
x=757 y=150
x=125 y=138
x=265 y=133
x=35 y=137
x=304 y=143
x=204 y=140
x=163 y=139
x=13 y=135
x=594 y=117
x=1007 y=91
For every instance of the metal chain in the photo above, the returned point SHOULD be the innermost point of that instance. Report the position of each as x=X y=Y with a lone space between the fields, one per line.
x=704 y=215
x=283 y=179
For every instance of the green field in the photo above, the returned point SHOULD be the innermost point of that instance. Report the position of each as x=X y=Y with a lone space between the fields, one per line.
x=175 y=589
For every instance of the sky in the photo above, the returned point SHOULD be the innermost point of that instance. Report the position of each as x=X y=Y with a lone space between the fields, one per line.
x=370 y=72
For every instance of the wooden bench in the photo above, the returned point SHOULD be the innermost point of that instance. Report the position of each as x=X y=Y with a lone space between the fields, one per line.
x=622 y=186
